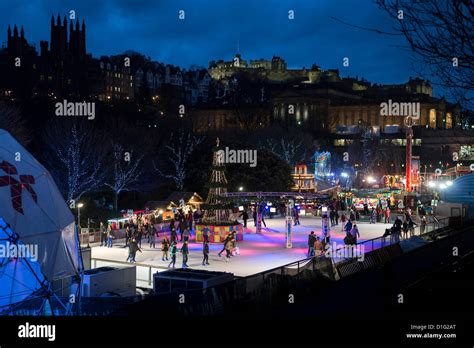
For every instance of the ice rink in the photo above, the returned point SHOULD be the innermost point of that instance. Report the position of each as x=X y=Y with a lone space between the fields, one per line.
x=258 y=252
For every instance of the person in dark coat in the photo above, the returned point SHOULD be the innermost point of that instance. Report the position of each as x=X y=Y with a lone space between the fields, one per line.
x=311 y=240
x=173 y=235
x=165 y=246
x=206 y=234
x=139 y=235
x=245 y=217
x=348 y=239
x=133 y=248
x=205 y=251
x=332 y=217
x=127 y=235
x=174 y=250
x=296 y=216
x=411 y=227
x=348 y=226
x=151 y=236
x=223 y=248
x=103 y=234
x=405 y=229
x=183 y=225
x=185 y=251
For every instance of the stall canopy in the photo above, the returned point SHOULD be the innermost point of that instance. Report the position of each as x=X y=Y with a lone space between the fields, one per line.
x=189 y=198
x=38 y=239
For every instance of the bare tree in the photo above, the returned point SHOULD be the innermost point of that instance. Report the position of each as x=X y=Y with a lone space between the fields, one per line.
x=12 y=122
x=179 y=152
x=440 y=32
x=289 y=150
x=373 y=154
x=124 y=172
x=75 y=158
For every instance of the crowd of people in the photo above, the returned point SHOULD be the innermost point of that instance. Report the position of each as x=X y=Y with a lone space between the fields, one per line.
x=182 y=226
x=403 y=225
x=180 y=229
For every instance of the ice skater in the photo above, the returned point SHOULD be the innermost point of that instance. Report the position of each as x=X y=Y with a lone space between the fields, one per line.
x=110 y=237
x=132 y=249
x=174 y=250
x=297 y=217
x=223 y=247
x=185 y=251
x=103 y=234
x=355 y=233
x=151 y=237
x=205 y=252
x=245 y=217
x=228 y=250
x=311 y=240
x=165 y=246
x=373 y=216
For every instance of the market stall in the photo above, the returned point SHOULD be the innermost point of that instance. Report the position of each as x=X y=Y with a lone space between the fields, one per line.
x=373 y=198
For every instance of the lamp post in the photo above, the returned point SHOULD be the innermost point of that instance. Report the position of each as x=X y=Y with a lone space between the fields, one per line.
x=79 y=206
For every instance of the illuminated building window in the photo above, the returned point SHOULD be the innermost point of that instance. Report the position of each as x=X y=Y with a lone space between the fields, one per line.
x=449 y=120
x=432 y=118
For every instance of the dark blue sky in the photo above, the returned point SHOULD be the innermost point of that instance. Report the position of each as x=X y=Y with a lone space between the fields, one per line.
x=212 y=29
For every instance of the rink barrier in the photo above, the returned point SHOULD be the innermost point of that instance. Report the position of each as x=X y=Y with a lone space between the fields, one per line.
x=325 y=266
x=389 y=248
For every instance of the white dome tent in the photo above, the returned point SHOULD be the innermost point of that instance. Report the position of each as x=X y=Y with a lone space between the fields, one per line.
x=38 y=238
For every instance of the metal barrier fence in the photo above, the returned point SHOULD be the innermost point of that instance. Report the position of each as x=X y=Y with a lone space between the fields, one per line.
x=322 y=263
x=368 y=245
x=144 y=271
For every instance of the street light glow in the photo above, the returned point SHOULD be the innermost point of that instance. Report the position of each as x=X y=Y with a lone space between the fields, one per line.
x=80 y=205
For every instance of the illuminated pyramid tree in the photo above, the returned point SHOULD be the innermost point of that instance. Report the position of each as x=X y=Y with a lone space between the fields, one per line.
x=215 y=211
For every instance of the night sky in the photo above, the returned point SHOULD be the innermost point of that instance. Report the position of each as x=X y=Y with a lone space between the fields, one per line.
x=213 y=28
